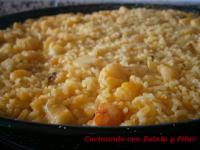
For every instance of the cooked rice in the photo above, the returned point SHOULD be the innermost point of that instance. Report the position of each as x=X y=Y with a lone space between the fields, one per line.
x=140 y=66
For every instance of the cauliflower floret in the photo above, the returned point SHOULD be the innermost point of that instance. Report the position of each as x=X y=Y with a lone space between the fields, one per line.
x=58 y=113
x=112 y=75
x=128 y=91
x=168 y=73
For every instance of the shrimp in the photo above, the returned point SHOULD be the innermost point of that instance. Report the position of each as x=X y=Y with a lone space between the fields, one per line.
x=108 y=115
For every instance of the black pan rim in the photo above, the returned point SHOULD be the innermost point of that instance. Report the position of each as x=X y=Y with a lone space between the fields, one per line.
x=7 y=20
x=9 y=122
